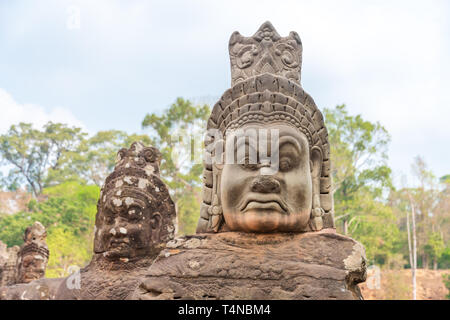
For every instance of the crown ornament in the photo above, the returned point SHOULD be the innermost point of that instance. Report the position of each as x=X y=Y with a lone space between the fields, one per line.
x=265 y=52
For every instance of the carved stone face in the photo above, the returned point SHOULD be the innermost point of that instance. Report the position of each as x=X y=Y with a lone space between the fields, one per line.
x=255 y=202
x=127 y=226
x=32 y=267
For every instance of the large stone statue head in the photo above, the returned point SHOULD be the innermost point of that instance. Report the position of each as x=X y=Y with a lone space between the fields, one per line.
x=33 y=255
x=279 y=181
x=135 y=213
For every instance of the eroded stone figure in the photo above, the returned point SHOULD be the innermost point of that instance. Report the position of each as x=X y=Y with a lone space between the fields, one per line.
x=135 y=219
x=263 y=234
x=29 y=268
x=33 y=255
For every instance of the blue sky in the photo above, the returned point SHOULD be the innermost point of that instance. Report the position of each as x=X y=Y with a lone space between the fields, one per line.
x=387 y=60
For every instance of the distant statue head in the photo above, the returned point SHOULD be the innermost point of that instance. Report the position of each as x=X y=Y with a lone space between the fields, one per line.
x=278 y=179
x=33 y=255
x=135 y=213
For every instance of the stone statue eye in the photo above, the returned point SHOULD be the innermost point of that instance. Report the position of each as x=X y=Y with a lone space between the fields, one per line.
x=249 y=166
x=285 y=164
x=134 y=213
x=109 y=217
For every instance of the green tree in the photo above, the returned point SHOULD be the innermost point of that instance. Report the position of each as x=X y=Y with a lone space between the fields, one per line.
x=94 y=158
x=30 y=152
x=435 y=247
x=183 y=123
x=361 y=180
x=358 y=159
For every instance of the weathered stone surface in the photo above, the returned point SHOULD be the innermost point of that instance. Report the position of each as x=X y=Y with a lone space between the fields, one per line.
x=231 y=265
x=42 y=289
x=104 y=280
x=9 y=269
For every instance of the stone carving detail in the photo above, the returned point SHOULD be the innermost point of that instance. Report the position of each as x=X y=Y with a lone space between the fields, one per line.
x=135 y=213
x=265 y=52
x=268 y=98
x=135 y=218
x=8 y=265
x=33 y=255
x=243 y=266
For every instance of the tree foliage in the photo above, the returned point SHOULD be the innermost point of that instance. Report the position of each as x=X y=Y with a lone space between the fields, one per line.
x=178 y=134
x=68 y=215
x=31 y=152
x=361 y=177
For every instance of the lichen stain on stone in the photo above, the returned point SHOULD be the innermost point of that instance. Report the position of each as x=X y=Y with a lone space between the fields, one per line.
x=119 y=183
x=193 y=264
x=143 y=183
x=129 y=201
x=356 y=259
x=128 y=180
x=149 y=169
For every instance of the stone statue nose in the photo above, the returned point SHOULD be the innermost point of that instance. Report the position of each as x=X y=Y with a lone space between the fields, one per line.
x=118 y=230
x=266 y=184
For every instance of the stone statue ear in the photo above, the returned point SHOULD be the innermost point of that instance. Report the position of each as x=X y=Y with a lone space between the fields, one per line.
x=316 y=221
x=155 y=224
x=316 y=162
x=219 y=154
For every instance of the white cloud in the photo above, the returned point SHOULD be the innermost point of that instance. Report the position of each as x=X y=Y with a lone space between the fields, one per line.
x=12 y=112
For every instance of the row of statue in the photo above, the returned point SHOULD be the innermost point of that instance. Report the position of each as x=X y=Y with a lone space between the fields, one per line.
x=264 y=231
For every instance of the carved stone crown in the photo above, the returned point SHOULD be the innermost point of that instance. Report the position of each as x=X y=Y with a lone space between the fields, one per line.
x=265 y=52
x=33 y=248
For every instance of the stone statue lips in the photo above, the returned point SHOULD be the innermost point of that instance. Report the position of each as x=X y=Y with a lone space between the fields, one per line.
x=32 y=274
x=119 y=242
x=264 y=203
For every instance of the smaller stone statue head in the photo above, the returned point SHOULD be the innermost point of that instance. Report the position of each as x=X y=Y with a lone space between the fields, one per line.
x=33 y=255
x=135 y=213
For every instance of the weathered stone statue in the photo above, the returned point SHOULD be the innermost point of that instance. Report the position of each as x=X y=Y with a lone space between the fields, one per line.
x=266 y=228
x=135 y=219
x=33 y=255
x=28 y=270
x=27 y=263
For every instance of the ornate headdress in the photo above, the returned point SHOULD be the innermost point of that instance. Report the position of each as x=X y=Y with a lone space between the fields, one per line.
x=265 y=71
